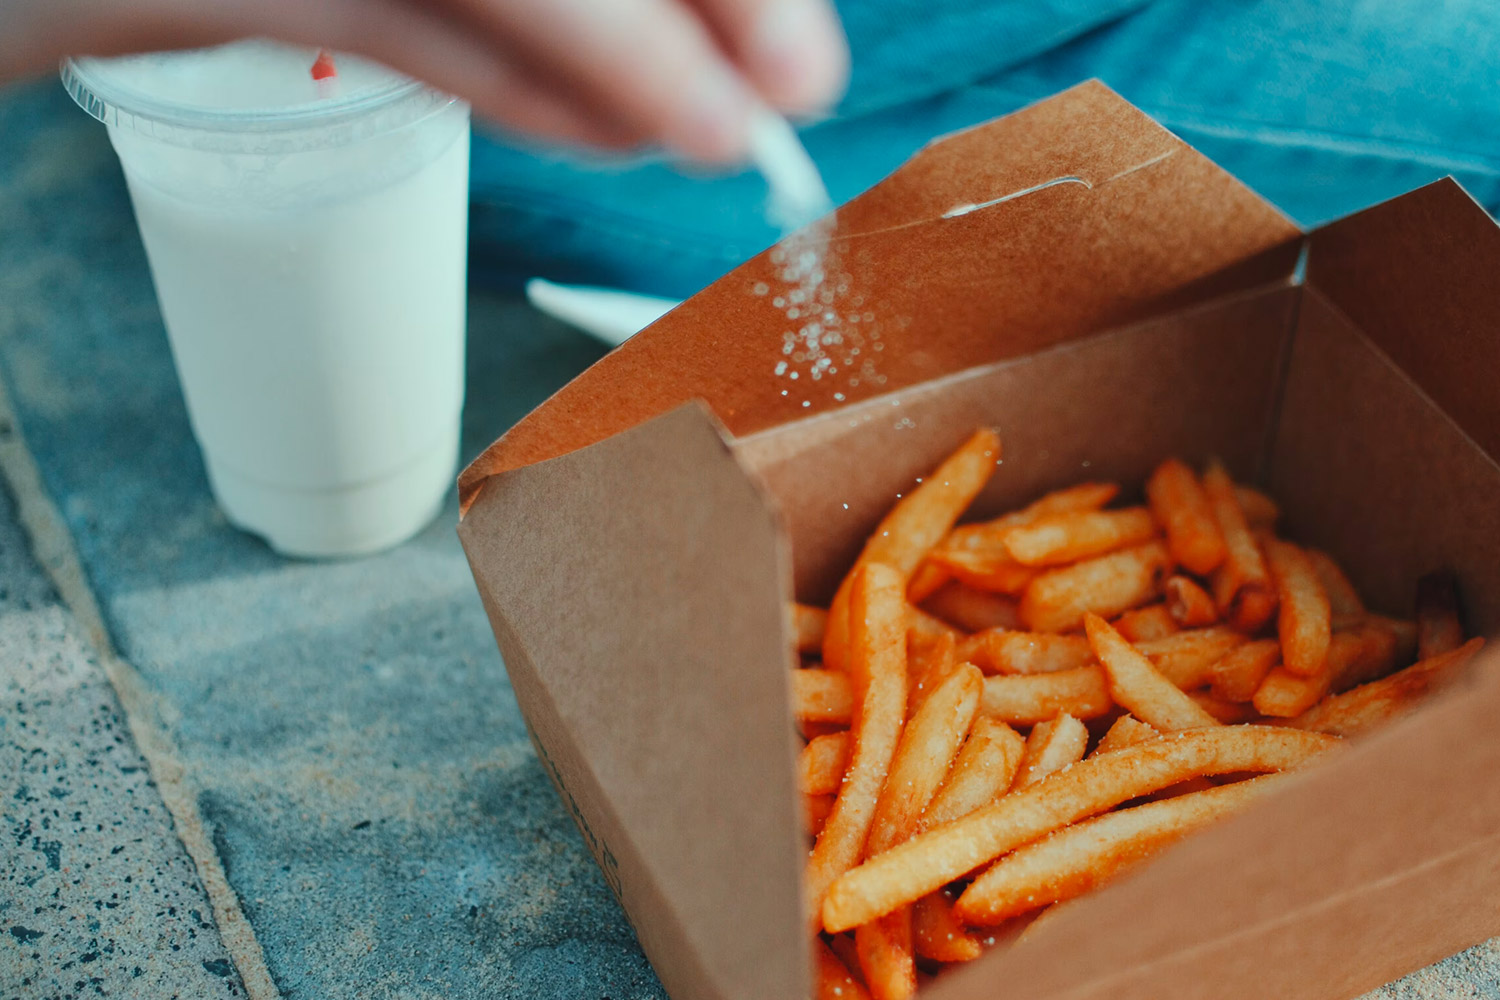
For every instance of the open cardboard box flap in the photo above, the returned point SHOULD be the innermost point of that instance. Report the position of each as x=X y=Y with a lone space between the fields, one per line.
x=1136 y=220
x=631 y=547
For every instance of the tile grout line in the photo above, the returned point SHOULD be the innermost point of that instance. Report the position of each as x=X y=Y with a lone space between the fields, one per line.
x=52 y=546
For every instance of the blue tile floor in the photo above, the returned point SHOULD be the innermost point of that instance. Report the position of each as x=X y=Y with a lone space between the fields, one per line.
x=358 y=808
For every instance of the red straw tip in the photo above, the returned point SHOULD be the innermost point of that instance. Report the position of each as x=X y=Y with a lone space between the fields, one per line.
x=323 y=67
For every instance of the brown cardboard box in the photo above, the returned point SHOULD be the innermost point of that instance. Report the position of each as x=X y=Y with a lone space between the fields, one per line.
x=635 y=550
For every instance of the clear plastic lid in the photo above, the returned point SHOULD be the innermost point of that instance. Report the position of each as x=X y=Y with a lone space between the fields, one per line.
x=253 y=90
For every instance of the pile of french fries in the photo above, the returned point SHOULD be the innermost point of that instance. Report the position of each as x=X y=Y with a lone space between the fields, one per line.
x=1003 y=715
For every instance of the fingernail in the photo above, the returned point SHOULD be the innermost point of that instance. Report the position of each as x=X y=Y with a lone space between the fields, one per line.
x=798 y=55
x=715 y=124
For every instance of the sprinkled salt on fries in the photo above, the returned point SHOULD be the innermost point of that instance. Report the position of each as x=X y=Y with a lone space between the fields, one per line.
x=950 y=779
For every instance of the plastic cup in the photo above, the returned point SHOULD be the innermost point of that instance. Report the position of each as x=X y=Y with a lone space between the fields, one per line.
x=308 y=250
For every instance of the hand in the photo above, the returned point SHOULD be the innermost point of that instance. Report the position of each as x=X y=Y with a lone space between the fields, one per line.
x=606 y=73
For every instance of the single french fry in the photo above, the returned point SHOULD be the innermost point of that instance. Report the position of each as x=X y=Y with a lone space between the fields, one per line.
x=1082 y=857
x=1354 y=657
x=1438 y=627
x=887 y=955
x=821 y=765
x=809 y=623
x=1242 y=586
x=1260 y=510
x=939 y=936
x=1153 y=621
x=1026 y=699
x=1343 y=599
x=981 y=773
x=991 y=570
x=1051 y=746
x=815 y=810
x=998 y=651
x=832 y=980
x=1079 y=496
x=1126 y=731
x=1185 y=658
x=822 y=696
x=1303 y=623
x=842 y=945
x=1226 y=712
x=928 y=745
x=931 y=860
x=1138 y=686
x=1057 y=599
x=1238 y=674
x=923 y=756
x=877 y=669
x=926 y=625
x=1181 y=507
x=917 y=523
x=1069 y=537
x=1369 y=705
x=1188 y=603
x=926 y=581
x=972 y=609
x=928 y=665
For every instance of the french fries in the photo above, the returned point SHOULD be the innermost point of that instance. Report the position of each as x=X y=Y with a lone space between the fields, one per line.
x=972 y=609
x=1057 y=600
x=821 y=696
x=1151 y=622
x=1261 y=512
x=1242 y=585
x=938 y=934
x=916 y=524
x=1187 y=657
x=1126 y=731
x=1180 y=505
x=1051 y=747
x=1026 y=699
x=831 y=978
x=1066 y=538
x=1078 y=858
x=1303 y=622
x=1135 y=684
x=821 y=765
x=929 y=861
x=926 y=668
x=1354 y=657
x=809 y=623
x=1369 y=705
x=1188 y=603
x=981 y=773
x=946 y=778
x=999 y=651
x=1238 y=674
x=928 y=744
x=877 y=668
x=1343 y=599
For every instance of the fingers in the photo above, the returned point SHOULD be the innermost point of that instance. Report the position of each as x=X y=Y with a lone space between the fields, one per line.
x=651 y=64
x=793 y=51
x=422 y=42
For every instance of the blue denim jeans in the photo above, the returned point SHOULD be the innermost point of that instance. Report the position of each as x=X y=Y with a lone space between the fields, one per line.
x=1323 y=106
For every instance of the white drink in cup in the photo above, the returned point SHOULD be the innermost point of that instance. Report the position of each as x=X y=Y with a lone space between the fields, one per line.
x=308 y=244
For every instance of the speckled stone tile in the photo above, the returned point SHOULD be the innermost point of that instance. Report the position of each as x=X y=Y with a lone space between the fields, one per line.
x=362 y=764
x=97 y=896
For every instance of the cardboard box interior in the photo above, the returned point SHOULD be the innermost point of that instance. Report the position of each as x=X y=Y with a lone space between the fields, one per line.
x=637 y=580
